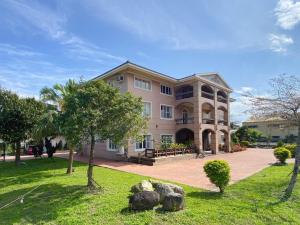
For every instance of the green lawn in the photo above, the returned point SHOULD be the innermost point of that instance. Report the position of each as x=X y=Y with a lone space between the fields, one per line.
x=63 y=199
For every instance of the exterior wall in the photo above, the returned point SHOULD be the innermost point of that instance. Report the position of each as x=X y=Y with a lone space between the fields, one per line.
x=158 y=126
x=273 y=128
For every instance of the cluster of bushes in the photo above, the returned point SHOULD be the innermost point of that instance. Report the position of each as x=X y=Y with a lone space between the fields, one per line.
x=237 y=148
x=165 y=145
x=290 y=147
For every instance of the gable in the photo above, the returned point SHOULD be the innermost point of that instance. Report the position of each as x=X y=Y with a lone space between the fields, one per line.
x=217 y=79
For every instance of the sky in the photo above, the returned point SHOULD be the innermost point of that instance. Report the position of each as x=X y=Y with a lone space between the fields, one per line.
x=248 y=42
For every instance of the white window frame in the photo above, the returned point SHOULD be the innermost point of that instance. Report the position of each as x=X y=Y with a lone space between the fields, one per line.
x=162 y=118
x=172 y=89
x=150 y=108
x=142 y=78
x=111 y=149
x=142 y=149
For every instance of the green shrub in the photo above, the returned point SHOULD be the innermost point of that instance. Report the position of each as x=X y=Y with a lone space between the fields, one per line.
x=291 y=148
x=245 y=143
x=177 y=146
x=279 y=144
x=282 y=154
x=218 y=172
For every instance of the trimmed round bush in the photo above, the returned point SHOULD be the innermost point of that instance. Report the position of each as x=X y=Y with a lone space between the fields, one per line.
x=245 y=143
x=291 y=148
x=282 y=154
x=218 y=172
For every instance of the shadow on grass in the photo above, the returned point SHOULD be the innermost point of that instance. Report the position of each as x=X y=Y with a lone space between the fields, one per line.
x=205 y=195
x=42 y=205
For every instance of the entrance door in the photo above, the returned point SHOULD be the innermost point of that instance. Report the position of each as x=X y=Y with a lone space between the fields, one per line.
x=184 y=117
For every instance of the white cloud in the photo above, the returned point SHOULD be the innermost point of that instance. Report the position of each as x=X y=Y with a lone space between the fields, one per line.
x=18 y=51
x=288 y=13
x=52 y=24
x=280 y=42
x=244 y=90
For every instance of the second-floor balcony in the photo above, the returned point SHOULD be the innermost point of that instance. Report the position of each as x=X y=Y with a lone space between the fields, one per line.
x=183 y=92
x=188 y=120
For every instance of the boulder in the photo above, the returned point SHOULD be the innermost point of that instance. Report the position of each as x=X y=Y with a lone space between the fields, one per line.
x=173 y=202
x=144 y=200
x=144 y=185
x=163 y=190
x=174 y=187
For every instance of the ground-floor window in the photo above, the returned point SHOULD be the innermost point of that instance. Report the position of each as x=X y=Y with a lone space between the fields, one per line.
x=145 y=143
x=167 y=138
x=111 y=146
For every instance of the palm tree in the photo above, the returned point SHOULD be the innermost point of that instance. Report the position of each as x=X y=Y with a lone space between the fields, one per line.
x=56 y=96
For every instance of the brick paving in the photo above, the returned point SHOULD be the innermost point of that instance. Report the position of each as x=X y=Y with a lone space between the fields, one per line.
x=190 y=172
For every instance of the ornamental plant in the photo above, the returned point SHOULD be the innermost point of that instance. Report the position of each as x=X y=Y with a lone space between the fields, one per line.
x=282 y=154
x=291 y=148
x=218 y=172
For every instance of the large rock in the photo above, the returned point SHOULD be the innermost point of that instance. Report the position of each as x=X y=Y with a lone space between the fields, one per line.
x=144 y=185
x=173 y=202
x=163 y=190
x=144 y=200
x=174 y=187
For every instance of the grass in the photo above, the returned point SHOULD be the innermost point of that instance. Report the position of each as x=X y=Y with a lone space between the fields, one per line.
x=63 y=199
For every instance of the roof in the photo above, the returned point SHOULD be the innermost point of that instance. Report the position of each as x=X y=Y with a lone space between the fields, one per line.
x=211 y=77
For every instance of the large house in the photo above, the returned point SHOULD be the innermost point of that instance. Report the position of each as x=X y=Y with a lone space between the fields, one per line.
x=274 y=129
x=193 y=109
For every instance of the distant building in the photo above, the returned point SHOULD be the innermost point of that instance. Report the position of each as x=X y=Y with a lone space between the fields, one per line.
x=274 y=129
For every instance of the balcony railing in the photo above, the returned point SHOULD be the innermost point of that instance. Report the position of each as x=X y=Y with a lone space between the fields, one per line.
x=208 y=95
x=223 y=122
x=222 y=99
x=188 y=120
x=208 y=121
x=182 y=95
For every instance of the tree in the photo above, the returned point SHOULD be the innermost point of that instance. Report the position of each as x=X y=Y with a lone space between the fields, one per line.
x=97 y=110
x=248 y=134
x=56 y=96
x=282 y=102
x=18 y=117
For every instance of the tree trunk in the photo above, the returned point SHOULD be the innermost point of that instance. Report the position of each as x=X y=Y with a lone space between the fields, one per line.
x=289 y=189
x=18 y=153
x=4 y=152
x=70 y=163
x=91 y=184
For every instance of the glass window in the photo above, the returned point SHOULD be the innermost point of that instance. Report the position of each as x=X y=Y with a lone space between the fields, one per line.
x=147 y=109
x=167 y=139
x=143 y=84
x=166 y=112
x=165 y=90
x=145 y=143
x=112 y=146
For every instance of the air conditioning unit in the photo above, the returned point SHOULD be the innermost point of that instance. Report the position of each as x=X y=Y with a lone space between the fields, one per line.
x=120 y=78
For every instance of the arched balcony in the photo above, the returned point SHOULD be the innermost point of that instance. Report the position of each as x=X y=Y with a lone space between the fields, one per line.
x=184 y=113
x=208 y=114
x=207 y=92
x=185 y=91
x=222 y=116
x=222 y=96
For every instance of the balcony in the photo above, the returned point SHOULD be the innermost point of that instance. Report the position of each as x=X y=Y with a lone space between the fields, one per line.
x=208 y=121
x=208 y=95
x=188 y=120
x=223 y=122
x=222 y=97
x=183 y=92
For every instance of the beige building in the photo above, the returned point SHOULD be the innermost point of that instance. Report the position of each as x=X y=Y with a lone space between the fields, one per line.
x=191 y=109
x=274 y=129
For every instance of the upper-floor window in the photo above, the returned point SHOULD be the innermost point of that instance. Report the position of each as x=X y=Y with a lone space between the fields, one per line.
x=147 y=109
x=166 y=112
x=142 y=84
x=165 y=90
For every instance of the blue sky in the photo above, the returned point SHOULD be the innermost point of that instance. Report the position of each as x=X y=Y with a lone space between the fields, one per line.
x=248 y=42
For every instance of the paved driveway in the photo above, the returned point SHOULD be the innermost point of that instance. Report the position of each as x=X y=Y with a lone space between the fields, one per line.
x=190 y=172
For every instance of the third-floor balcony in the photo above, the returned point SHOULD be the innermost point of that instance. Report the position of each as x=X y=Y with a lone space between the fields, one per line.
x=207 y=92
x=183 y=92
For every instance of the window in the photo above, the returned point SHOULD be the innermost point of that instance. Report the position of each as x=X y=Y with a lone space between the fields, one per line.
x=166 y=138
x=147 y=109
x=142 y=84
x=111 y=146
x=145 y=143
x=166 y=112
x=252 y=126
x=165 y=90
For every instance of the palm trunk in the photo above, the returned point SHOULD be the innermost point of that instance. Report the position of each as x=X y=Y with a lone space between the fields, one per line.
x=70 y=163
x=18 y=153
x=289 y=189
x=91 y=184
